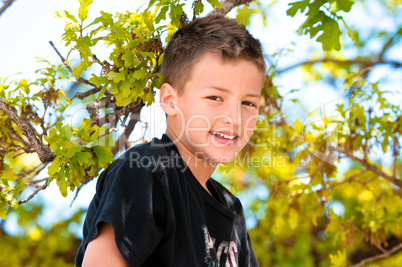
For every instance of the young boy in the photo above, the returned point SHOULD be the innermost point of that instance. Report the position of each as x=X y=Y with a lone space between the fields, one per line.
x=158 y=206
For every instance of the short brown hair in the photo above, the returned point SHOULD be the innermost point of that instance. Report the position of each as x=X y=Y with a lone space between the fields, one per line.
x=213 y=33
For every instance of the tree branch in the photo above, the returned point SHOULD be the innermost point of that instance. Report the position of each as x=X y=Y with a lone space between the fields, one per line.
x=45 y=155
x=363 y=63
x=386 y=254
x=61 y=57
x=385 y=48
x=134 y=118
x=94 y=106
x=80 y=80
x=6 y=5
x=42 y=187
x=81 y=96
x=370 y=167
x=227 y=5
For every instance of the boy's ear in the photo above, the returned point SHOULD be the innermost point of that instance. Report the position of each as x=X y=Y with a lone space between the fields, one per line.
x=167 y=99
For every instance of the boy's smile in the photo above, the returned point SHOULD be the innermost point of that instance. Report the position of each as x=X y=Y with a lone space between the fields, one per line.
x=215 y=116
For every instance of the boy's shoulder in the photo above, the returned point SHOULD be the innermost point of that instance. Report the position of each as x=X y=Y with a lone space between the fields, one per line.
x=141 y=155
x=231 y=200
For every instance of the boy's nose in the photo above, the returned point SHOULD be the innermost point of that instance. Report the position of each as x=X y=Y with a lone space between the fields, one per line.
x=233 y=114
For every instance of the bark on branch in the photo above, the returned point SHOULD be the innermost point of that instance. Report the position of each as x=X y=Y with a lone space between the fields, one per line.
x=134 y=118
x=386 y=254
x=44 y=153
x=370 y=167
x=40 y=188
x=6 y=5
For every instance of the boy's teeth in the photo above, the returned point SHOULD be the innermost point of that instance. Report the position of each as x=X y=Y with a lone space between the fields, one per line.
x=224 y=135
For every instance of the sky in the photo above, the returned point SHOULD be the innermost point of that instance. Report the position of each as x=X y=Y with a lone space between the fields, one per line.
x=27 y=27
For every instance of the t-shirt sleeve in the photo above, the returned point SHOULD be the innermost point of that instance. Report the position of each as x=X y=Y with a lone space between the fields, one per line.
x=134 y=201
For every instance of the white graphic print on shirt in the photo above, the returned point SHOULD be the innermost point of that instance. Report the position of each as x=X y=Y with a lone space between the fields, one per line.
x=225 y=247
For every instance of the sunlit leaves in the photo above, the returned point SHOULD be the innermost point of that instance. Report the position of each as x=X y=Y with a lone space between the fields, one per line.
x=302 y=202
x=215 y=3
x=79 y=154
x=330 y=38
x=8 y=195
x=322 y=19
x=243 y=15
x=83 y=9
x=39 y=244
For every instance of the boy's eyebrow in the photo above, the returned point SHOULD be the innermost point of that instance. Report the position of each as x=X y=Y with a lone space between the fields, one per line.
x=227 y=91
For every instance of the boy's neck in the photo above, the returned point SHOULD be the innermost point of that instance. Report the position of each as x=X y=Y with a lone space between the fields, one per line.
x=201 y=169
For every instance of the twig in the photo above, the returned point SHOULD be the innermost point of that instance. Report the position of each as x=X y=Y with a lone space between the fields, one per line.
x=108 y=131
x=81 y=80
x=6 y=5
x=385 y=48
x=34 y=193
x=45 y=155
x=61 y=57
x=395 y=154
x=348 y=179
x=363 y=63
x=135 y=109
x=227 y=5
x=81 y=96
x=123 y=137
x=386 y=254
x=371 y=167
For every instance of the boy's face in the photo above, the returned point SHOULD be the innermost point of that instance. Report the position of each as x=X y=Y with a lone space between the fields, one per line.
x=218 y=109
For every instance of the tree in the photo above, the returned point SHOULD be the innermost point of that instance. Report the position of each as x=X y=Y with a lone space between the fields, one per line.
x=6 y=5
x=292 y=172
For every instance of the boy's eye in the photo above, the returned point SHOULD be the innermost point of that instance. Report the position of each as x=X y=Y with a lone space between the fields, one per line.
x=248 y=103
x=215 y=98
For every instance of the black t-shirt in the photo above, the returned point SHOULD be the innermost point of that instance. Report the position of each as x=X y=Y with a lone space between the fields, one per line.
x=162 y=216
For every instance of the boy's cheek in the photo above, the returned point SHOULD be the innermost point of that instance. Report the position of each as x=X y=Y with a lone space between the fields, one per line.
x=250 y=126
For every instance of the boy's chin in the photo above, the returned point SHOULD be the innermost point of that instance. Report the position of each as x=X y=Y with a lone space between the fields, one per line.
x=215 y=161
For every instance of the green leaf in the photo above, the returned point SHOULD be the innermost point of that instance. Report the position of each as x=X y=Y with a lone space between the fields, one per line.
x=3 y=209
x=104 y=154
x=177 y=9
x=296 y=6
x=298 y=126
x=54 y=167
x=14 y=203
x=345 y=5
x=77 y=71
x=83 y=9
x=72 y=149
x=83 y=45
x=65 y=14
x=330 y=38
x=215 y=3
x=151 y=3
x=119 y=76
x=98 y=80
x=162 y=14
x=128 y=58
x=140 y=74
x=198 y=8
x=102 y=91
x=121 y=102
x=125 y=87
x=83 y=157
x=86 y=123
x=243 y=15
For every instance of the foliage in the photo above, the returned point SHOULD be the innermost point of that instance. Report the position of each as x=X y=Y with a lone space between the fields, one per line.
x=293 y=174
x=53 y=245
